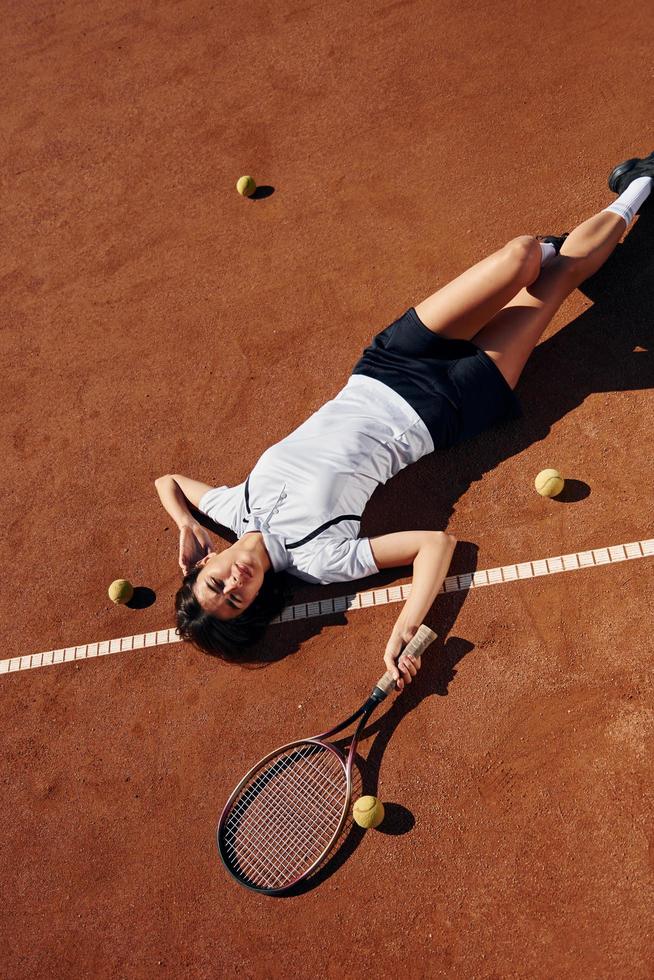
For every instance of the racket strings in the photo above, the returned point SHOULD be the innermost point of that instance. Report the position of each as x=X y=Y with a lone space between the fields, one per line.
x=281 y=858
x=286 y=816
x=297 y=811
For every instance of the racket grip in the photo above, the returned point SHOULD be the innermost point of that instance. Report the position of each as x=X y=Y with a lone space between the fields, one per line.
x=417 y=646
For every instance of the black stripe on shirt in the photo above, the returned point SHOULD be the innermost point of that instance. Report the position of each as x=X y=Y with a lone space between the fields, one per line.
x=323 y=527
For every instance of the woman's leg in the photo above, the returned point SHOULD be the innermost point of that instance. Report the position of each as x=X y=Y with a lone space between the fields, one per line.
x=511 y=335
x=463 y=306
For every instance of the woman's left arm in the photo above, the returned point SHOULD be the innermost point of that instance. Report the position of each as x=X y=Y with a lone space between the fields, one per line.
x=431 y=553
x=175 y=493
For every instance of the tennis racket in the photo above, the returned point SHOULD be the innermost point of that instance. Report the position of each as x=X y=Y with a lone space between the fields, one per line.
x=287 y=812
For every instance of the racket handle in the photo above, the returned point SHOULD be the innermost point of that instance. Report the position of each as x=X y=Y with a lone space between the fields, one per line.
x=417 y=646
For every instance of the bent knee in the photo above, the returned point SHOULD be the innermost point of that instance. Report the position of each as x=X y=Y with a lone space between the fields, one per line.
x=523 y=247
x=525 y=252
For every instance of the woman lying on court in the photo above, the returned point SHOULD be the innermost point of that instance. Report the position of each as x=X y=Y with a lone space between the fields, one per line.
x=443 y=372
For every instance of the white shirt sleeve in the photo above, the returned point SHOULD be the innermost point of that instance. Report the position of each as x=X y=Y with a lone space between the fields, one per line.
x=220 y=504
x=342 y=559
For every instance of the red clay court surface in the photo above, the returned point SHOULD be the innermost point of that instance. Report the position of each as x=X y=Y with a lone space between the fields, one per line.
x=154 y=322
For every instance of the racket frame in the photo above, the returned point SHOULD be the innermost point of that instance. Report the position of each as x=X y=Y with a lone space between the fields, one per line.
x=346 y=762
x=423 y=638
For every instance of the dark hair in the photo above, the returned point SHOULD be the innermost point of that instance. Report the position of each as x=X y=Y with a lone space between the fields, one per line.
x=228 y=638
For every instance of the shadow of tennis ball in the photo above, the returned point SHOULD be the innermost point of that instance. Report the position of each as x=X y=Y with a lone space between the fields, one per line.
x=397 y=820
x=142 y=598
x=264 y=191
x=573 y=491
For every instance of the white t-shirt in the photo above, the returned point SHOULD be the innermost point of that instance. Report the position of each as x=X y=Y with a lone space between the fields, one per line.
x=306 y=494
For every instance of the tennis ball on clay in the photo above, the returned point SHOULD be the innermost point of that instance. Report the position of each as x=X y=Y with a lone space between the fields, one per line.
x=368 y=811
x=549 y=483
x=121 y=591
x=246 y=186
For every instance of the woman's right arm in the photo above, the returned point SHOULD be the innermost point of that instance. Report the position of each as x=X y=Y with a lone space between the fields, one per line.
x=174 y=492
x=431 y=553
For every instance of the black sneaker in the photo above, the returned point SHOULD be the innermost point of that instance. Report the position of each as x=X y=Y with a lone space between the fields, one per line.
x=622 y=175
x=555 y=240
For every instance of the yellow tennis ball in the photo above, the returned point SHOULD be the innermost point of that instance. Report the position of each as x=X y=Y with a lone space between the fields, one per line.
x=121 y=591
x=549 y=483
x=368 y=811
x=246 y=186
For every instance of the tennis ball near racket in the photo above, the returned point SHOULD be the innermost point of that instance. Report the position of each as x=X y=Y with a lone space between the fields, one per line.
x=368 y=811
x=246 y=186
x=549 y=483
x=121 y=591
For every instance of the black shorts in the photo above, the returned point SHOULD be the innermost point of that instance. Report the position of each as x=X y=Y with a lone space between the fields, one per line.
x=454 y=386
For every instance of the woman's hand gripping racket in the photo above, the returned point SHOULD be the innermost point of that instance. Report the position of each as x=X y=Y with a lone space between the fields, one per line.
x=288 y=810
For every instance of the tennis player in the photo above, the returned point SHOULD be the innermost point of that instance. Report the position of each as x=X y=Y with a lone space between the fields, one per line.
x=441 y=373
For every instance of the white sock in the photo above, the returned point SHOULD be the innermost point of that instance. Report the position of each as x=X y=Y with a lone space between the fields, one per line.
x=631 y=199
x=547 y=251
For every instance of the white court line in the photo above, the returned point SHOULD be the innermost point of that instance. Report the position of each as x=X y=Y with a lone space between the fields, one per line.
x=357 y=600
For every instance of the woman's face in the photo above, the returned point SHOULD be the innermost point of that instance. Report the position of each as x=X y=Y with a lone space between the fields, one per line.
x=229 y=581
